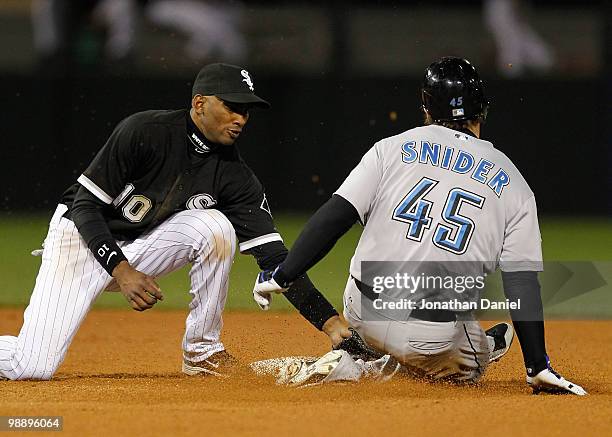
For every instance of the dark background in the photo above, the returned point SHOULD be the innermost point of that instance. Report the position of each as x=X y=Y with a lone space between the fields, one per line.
x=555 y=127
x=317 y=130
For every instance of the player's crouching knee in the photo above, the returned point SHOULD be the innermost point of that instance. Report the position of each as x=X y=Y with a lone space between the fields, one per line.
x=218 y=234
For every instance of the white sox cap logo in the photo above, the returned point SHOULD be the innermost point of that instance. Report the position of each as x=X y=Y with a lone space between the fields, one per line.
x=247 y=79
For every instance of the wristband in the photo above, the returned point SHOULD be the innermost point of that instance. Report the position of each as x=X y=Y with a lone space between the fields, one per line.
x=107 y=253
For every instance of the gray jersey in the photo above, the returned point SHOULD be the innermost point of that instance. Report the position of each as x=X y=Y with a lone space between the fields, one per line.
x=436 y=194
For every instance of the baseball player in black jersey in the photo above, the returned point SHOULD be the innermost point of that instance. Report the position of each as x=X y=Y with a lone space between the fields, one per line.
x=168 y=188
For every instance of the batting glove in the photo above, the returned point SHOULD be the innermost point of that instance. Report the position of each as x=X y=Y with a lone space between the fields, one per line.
x=265 y=285
x=549 y=381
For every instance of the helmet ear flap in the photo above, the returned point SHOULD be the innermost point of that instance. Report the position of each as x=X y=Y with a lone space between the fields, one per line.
x=423 y=103
x=426 y=103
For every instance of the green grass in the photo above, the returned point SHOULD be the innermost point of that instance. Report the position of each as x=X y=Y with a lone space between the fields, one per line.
x=576 y=238
x=570 y=239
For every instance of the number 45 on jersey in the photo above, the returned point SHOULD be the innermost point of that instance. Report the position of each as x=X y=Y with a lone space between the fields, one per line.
x=455 y=233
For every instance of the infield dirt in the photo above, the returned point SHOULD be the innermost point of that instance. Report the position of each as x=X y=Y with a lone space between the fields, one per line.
x=122 y=377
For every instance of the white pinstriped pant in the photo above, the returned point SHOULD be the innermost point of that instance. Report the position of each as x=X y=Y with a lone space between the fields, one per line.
x=70 y=279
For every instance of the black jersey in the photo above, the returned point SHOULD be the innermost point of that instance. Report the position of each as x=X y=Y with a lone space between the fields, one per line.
x=157 y=163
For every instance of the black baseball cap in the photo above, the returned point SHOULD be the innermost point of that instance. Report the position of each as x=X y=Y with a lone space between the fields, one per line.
x=228 y=82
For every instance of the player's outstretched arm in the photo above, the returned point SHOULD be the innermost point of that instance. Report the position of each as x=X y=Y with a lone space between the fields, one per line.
x=528 y=321
x=320 y=313
x=329 y=223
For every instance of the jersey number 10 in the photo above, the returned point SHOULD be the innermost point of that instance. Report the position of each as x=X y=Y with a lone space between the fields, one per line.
x=414 y=210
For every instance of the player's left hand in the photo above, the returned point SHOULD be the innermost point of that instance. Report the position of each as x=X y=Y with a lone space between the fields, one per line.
x=549 y=381
x=264 y=287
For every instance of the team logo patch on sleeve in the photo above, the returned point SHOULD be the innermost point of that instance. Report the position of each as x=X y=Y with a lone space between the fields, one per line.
x=201 y=201
x=264 y=205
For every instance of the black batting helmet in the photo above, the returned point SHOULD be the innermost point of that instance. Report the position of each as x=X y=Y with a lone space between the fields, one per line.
x=452 y=91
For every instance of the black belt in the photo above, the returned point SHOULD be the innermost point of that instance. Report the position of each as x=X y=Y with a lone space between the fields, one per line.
x=417 y=313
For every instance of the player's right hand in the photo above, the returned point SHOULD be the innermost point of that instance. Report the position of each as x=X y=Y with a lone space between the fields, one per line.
x=139 y=289
x=263 y=288
x=549 y=381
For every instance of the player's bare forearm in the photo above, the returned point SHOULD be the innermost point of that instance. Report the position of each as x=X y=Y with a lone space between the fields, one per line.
x=139 y=289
